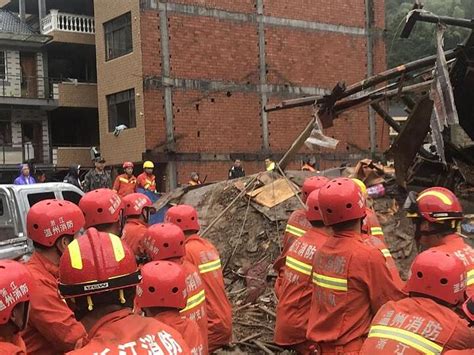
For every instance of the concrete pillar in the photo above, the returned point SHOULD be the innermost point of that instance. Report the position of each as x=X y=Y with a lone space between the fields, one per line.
x=369 y=26
x=263 y=77
x=41 y=9
x=22 y=10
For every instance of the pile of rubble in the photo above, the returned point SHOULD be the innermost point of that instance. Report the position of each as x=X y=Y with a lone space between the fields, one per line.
x=247 y=219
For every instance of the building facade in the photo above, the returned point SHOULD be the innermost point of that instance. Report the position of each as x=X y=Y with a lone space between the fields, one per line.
x=48 y=90
x=189 y=79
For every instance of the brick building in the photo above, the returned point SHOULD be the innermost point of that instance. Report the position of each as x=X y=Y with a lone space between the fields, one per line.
x=190 y=78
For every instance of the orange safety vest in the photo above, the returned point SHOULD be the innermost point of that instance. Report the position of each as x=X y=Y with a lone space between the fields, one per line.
x=371 y=225
x=296 y=227
x=146 y=182
x=417 y=325
x=292 y=312
x=351 y=283
x=205 y=256
x=124 y=185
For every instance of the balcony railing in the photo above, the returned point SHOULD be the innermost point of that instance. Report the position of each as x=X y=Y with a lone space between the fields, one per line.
x=59 y=21
x=12 y=154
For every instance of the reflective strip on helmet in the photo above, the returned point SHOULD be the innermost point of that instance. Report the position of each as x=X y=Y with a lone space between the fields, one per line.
x=376 y=231
x=194 y=301
x=299 y=266
x=411 y=339
x=210 y=266
x=297 y=232
x=117 y=247
x=123 y=180
x=75 y=255
x=386 y=253
x=445 y=199
x=332 y=283
x=470 y=277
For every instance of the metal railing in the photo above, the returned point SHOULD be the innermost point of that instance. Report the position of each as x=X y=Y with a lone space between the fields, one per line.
x=60 y=21
x=12 y=154
x=34 y=87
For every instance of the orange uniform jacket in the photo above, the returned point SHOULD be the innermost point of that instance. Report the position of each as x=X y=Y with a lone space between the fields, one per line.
x=146 y=182
x=371 y=225
x=296 y=289
x=122 y=332
x=352 y=282
x=205 y=256
x=417 y=326
x=296 y=227
x=52 y=327
x=188 y=329
x=377 y=243
x=133 y=234
x=124 y=185
x=196 y=304
x=17 y=347
x=455 y=245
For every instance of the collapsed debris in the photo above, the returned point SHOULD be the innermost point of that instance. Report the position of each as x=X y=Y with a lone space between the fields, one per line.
x=248 y=235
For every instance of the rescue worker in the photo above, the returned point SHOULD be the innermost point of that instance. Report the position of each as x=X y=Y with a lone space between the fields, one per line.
x=137 y=211
x=16 y=284
x=294 y=303
x=351 y=279
x=98 y=276
x=425 y=322
x=203 y=254
x=166 y=241
x=194 y=181
x=374 y=236
x=146 y=180
x=371 y=224
x=103 y=210
x=126 y=183
x=162 y=294
x=437 y=214
x=296 y=226
x=98 y=177
x=52 y=328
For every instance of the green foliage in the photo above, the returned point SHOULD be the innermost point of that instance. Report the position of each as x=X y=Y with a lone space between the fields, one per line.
x=423 y=38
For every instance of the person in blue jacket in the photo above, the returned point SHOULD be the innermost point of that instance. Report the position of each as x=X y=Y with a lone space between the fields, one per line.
x=25 y=178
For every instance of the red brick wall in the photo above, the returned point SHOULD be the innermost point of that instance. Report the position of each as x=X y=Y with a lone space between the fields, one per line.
x=338 y=12
x=206 y=48
x=246 y=6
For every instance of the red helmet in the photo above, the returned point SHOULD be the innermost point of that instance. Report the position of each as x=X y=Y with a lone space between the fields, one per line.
x=48 y=220
x=163 y=285
x=127 y=164
x=15 y=287
x=96 y=262
x=101 y=206
x=164 y=241
x=311 y=184
x=438 y=274
x=436 y=204
x=135 y=203
x=341 y=200
x=184 y=216
x=313 y=214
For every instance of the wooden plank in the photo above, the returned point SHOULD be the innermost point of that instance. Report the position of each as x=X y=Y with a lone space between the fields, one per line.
x=273 y=194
